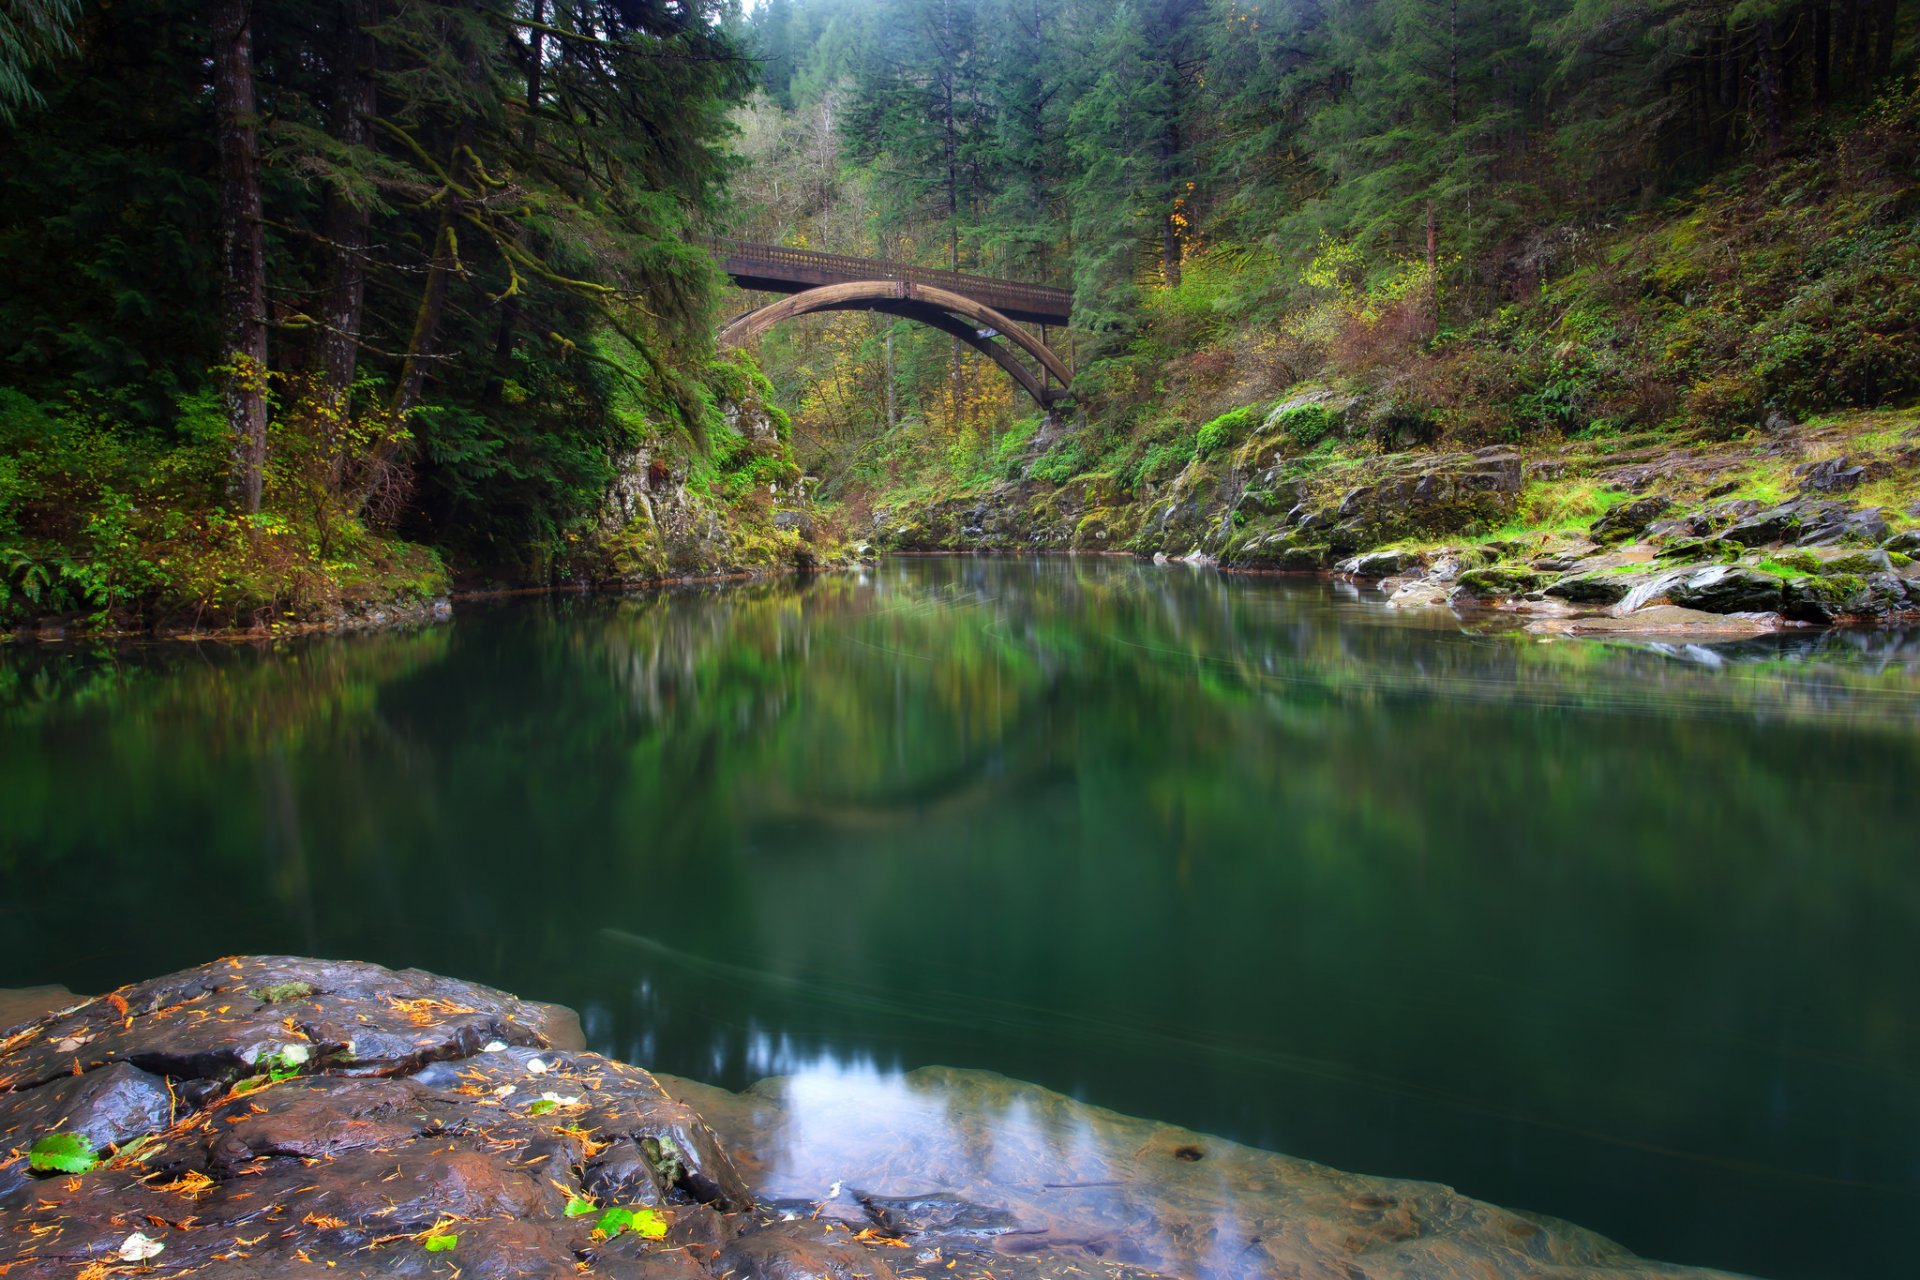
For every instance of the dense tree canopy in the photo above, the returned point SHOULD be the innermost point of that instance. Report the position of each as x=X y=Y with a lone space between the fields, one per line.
x=447 y=242
x=434 y=270
x=1440 y=157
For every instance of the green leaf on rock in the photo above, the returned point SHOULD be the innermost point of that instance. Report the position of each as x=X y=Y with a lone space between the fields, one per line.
x=441 y=1243
x=280 y=992
x=61 y=1153
x=542 y=1106
x=578 y=1208
x=644 y=1223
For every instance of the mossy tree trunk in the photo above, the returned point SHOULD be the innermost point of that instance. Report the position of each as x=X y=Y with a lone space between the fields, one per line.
x=243 y=256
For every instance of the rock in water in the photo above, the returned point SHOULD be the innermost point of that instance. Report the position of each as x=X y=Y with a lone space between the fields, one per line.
x=269 y=1117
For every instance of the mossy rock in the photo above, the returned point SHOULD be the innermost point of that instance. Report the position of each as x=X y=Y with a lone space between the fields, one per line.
x=1106 y=528
x=1500 y=580
x=1804 y=561
x=1593 y=588
x=1270 y=551
x=1824 y=599
x=1694 y=550
x=1856 y=563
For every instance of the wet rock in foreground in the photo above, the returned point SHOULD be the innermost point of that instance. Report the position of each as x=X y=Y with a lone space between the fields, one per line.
x=272 y=1116
x=945 y=1154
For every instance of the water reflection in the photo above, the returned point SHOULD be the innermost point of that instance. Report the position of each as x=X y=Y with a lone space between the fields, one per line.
x=979 y=1171
x=1617 y=931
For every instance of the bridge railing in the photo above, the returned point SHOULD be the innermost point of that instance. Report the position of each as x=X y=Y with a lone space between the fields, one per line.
x=742 y=257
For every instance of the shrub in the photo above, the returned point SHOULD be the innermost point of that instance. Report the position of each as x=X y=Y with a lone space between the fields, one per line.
x=1225 y=429
x=1161 y=459
x=1726 y=399
x=1307 y=425
x=1061 y=463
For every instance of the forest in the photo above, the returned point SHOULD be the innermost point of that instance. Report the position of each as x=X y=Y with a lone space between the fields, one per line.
x=317 y=307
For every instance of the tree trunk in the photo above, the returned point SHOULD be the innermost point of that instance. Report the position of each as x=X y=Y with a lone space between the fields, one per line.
x=441 y=263
x=426 y=318
x=243 y=252
x=1453 y=64
x=1883 y=46
x=893 y=417
x=1822 y=52
x=1862 y=66
x=1765 y=83
x=1843 y=38
x=510 y=307
x=346 y=221
x=1433 y=268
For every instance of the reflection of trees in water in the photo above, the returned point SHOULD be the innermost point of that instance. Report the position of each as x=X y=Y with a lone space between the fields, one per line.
x=1089 y=822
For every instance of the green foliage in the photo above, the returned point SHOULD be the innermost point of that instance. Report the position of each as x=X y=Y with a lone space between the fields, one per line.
x=1004 y=461
x=61 y=1153
x=125 y=525
x=1226 y=429
x=584 y=287
x=1059 y=464
x=31 y=32
x=648 y=1224
x=281 y=1064
x=1307 y=425
x=441 y=1242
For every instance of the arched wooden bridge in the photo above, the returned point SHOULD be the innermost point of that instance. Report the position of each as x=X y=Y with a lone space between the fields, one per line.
x=985 y=314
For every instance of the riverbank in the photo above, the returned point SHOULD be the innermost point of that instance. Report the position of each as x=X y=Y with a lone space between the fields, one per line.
x=1789 y=524
x=274 y=1115
x=102 y=538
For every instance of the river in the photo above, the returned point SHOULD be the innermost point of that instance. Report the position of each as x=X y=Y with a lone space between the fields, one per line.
x=1624 y=933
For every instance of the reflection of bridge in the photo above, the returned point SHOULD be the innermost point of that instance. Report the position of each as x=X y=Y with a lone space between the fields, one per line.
x=974 y=309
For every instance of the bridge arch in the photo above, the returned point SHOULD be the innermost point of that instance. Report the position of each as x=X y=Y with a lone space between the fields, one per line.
x=973 y=322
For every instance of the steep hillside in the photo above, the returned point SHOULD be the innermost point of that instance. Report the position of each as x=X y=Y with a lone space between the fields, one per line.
x=1666 y=382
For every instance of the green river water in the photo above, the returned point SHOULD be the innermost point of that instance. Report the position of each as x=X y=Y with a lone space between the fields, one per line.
x=1626 y=933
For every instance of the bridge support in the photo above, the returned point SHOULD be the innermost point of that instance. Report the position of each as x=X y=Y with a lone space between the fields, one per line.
x=974 y=323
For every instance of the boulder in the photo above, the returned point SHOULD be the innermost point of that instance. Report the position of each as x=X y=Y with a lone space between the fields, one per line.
x=357 y=1106
x=1629 y=518
x=787 y=520
x=1594 y=588
x=113 y=1105
x=1709 y=520
x=1833 y=475
x=1419 y=494
x=1381 y=564
x=1814 y=599
x=1808 y=522
x=1499 y=581
x=1286 y=552
x=1724 y=588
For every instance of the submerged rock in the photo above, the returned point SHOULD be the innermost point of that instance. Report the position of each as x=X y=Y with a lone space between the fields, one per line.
x=939 y=1155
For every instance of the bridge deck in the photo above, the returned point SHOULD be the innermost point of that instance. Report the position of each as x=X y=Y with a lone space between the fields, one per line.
x=775 y=269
